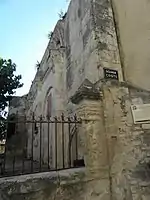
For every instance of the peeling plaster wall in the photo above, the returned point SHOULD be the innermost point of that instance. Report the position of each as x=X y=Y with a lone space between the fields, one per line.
x=133 y=21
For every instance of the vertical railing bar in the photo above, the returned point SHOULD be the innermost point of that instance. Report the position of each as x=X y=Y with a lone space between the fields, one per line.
x=4 y=163
x=48 y=142
x=16 y=128
x=56 y=143
x=40 y=143
x=23 y=163
x=63 y=144
x=17 y=125
x=14 y=159
x=23 y=151
x=69 y=130
x=33 y=125
x=76 y=136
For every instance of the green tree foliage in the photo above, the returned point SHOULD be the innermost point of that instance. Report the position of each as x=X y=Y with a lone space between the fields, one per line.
x=9 y=82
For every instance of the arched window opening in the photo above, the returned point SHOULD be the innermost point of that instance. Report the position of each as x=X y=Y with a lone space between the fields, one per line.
x=49 y=105
x=47 y=109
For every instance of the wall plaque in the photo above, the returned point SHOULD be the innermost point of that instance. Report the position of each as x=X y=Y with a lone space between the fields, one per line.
x=111 y=74
x=141 y=113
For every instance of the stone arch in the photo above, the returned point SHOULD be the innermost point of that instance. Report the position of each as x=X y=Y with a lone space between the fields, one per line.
x=45 y=131
x=49 y=91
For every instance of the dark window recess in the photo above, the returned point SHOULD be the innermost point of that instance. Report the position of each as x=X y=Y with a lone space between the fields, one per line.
x=35 y=129
x=11 y=128
x=49 y=106
x=58 y=42
x=79 y=163
x=70 y=78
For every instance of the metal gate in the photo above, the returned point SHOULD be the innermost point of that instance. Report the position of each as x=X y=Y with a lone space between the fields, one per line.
x=39 y=144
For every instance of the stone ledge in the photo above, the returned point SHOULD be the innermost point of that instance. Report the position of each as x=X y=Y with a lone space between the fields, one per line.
x=87 y=90
x=123 y=84
x=64 y=174
x=33 y=183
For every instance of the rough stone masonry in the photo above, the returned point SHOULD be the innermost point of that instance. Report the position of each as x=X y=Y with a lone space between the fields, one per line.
x=92 y=36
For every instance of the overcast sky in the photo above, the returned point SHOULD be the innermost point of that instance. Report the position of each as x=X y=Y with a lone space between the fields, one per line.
x=24 y=26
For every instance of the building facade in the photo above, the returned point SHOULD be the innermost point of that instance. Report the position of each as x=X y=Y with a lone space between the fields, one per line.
x=104 y=43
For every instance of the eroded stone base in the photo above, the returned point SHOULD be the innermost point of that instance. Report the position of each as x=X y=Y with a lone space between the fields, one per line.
x=64 y=185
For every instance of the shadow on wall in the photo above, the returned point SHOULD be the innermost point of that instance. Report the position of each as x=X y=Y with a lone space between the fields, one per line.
x=15 y=134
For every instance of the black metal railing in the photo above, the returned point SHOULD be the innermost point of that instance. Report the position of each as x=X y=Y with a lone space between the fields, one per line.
x=39 y=145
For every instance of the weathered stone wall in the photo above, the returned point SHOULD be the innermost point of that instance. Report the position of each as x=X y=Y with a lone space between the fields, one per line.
x=116 y=151
x=49 y=79
x=50 y=76
x=63 y=185
x=82 y=44
x=91 y=43
x=114 y=147
x=17 y=106
x=128 y=144
x=17 y=133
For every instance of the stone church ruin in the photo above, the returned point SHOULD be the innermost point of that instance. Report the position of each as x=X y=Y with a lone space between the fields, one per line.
x=96 y=65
